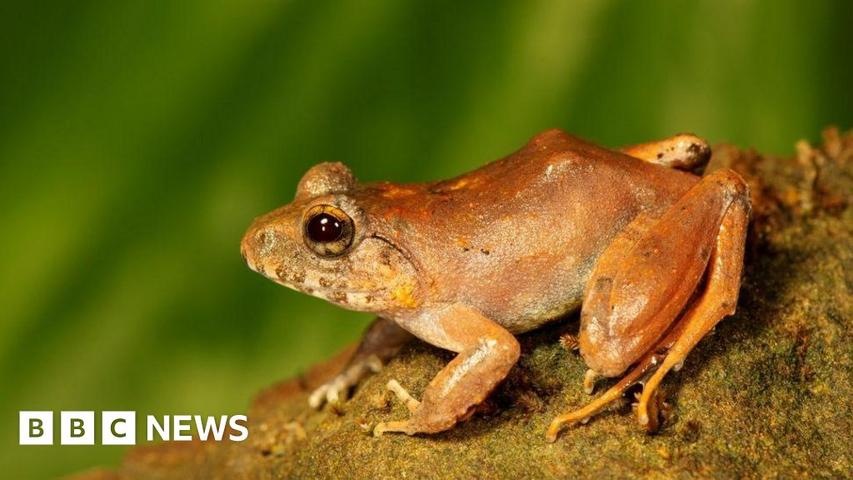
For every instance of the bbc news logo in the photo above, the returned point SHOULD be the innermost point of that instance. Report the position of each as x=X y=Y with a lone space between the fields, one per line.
x=119 y=428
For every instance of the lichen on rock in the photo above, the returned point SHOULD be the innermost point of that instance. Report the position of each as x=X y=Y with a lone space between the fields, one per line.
x=767 y=395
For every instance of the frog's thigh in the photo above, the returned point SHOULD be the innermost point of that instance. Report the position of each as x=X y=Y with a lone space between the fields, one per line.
x=644 y=279
x=682 y=152
x=487 y=352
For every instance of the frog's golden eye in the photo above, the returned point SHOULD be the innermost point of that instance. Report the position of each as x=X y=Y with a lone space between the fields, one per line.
x=328 y=231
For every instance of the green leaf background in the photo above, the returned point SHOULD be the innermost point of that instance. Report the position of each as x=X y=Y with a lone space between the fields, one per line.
x=139 y=139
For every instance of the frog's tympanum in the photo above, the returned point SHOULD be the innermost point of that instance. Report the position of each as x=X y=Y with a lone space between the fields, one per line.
x=651 y=254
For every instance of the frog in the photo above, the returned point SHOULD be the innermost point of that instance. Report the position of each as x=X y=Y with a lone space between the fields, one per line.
x=647 y=249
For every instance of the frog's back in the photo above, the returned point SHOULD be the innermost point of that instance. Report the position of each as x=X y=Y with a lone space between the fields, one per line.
x=554 y=163
x=518 y=238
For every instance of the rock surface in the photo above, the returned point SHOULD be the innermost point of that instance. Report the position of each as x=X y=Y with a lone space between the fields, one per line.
x=768 y=395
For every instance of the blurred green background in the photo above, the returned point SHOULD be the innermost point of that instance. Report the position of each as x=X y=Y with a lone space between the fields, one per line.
x=139 y=139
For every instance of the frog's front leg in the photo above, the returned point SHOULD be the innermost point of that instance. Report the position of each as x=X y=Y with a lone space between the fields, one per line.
x=634 y=305
x=381 y=341
x=487 y=352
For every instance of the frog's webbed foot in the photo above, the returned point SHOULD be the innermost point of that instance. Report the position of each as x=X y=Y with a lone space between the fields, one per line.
x=486 y=354
x=337 y=390
x=648 y=282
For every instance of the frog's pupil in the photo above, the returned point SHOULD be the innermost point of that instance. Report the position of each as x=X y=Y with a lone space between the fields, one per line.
x=324 y=228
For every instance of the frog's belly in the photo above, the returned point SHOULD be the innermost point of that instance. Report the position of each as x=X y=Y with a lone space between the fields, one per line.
x=531 y=297
x=536 y=317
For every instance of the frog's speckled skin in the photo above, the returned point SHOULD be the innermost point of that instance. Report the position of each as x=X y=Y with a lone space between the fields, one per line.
x=466 y=263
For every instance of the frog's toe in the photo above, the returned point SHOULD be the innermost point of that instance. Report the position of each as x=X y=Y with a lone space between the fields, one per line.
x=402 y=426
x=337 y=390
x=403 y=395
x=333 y=392
x=651 y=415
x=614 y=393
x=318 y=396
x=589 y=379
x=562 y=421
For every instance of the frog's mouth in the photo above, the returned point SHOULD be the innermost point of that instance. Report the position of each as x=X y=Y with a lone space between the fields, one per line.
x=373 y=277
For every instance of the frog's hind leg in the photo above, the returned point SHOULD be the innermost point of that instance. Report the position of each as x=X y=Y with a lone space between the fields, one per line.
x=682 y=152
x=644 y=280
x=613 y=394
x=638 y=374
x=717 y=301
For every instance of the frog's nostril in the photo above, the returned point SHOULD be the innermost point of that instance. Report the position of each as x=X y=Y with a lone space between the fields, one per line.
x=266 y=241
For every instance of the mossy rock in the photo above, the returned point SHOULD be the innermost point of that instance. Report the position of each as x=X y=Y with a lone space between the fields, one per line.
x=767 y=395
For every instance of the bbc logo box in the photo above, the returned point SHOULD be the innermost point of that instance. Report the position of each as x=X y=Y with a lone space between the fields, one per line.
x=35 y=428
x=76 y=428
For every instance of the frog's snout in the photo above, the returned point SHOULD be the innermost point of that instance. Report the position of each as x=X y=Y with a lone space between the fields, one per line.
x=258 y=245
x=246 y=257
x=246 y=250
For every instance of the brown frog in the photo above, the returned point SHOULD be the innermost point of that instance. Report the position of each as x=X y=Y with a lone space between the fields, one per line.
x=651 y=253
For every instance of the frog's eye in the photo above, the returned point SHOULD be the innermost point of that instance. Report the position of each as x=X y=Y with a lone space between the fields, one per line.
x=328 y=230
